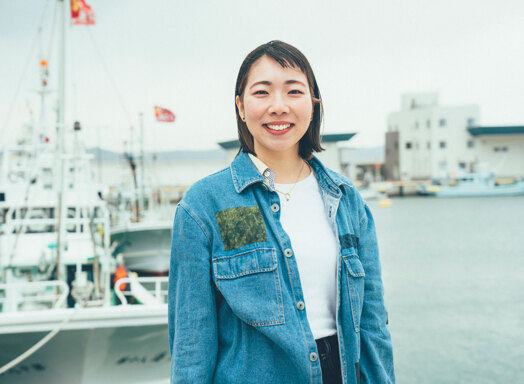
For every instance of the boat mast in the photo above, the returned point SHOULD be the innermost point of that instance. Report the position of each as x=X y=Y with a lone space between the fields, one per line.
x=60 y=127
x=142 y=168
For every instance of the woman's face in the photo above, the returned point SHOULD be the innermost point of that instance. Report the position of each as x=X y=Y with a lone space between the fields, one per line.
x=277 y=106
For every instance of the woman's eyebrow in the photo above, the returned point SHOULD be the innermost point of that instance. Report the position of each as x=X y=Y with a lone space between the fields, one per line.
x=269 y=83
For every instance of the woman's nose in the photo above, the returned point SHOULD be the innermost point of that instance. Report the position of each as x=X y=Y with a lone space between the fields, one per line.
x=278 y=105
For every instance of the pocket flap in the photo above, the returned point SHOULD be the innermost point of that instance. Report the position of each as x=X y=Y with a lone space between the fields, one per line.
x=246 y=263
x=354 y=266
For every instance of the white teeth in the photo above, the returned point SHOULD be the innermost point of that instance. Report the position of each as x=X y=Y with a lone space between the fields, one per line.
x=278 y=127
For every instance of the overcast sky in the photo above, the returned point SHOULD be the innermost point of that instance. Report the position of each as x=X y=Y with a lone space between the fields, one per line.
x=184 y=55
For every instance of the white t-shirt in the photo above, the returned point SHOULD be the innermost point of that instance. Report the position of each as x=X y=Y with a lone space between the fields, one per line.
x=304 y=219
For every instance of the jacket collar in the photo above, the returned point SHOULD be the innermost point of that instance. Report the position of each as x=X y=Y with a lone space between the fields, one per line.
x=327 y=179
x=245 y=173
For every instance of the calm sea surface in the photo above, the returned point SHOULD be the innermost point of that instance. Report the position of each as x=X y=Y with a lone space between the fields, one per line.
x=453 y=272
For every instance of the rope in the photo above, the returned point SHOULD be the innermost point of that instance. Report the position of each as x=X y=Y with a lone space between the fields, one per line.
x=38 y=345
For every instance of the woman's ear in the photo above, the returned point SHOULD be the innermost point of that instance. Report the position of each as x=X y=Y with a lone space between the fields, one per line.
x=240 y=108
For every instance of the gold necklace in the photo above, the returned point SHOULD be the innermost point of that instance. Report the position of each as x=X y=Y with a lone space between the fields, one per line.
x=287 y=195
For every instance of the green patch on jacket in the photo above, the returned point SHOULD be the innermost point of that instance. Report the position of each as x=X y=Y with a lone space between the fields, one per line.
x=241 y=226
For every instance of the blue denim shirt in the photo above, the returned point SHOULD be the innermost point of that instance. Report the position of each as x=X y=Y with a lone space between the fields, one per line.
x=236 y=307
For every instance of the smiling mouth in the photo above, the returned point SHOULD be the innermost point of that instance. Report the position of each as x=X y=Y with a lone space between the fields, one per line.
x=279 y=127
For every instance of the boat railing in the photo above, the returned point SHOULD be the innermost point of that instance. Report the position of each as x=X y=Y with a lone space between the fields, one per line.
x=46 y=224
x=150 y=290
x=20 y=296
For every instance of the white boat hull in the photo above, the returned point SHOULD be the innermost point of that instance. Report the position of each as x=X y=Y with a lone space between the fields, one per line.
x=125 y=344
x=475 y=191
x=144 y=247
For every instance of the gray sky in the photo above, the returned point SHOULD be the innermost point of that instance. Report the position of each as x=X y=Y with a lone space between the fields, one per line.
x=185 y=56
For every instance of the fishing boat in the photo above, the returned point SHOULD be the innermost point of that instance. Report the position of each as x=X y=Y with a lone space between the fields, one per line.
x=145 y=245
x=67 y=313
x=472 y=185
x=142 y=229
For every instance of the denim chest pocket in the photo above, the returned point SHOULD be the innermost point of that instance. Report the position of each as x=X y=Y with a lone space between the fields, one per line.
x=250 y=283
x=355 y=281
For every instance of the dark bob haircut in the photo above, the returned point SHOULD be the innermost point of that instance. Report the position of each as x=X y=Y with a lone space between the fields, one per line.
x=287 y=56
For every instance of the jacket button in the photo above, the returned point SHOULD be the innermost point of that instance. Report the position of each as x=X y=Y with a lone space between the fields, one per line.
x=300 y=305
x=275 y=207
x=313 y=356
x=267 y=173
x=288 y=252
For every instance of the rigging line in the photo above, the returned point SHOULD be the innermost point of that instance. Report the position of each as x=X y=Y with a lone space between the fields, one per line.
x=52 y=36
x=24 y=71
x=115 y=88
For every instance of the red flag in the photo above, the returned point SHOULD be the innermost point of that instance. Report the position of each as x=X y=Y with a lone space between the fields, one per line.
x=81 y=13
x=164 y=115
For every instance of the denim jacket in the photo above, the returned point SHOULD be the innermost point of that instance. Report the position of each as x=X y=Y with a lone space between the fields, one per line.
x=236 y=307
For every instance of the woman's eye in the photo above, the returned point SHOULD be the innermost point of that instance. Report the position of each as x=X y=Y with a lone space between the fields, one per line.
x=260 y=93
x=296 y=92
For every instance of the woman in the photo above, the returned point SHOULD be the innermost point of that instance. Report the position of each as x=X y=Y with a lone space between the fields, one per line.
x=275 y=275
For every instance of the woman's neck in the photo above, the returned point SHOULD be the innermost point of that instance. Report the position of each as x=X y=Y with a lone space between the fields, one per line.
x=287 y=166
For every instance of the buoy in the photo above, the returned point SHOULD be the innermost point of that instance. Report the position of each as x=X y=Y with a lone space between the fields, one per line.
x=385 y=202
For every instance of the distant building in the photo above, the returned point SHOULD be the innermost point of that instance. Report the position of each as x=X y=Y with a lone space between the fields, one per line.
x=499 y=149
x=363 y=164
x=425 y=140
x=331 y=157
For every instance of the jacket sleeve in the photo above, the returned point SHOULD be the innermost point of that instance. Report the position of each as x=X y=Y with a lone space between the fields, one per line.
x=376 y=357
x=191 y=301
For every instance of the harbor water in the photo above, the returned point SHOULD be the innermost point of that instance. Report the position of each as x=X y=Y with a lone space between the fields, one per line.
x=453 y=272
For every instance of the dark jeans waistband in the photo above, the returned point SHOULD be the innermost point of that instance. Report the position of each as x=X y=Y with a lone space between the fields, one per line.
x=327 y=344
x=329 y=357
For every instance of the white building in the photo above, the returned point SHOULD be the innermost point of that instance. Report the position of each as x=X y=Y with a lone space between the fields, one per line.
x=362 y=164
x=499 y=149
x=425 y=140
